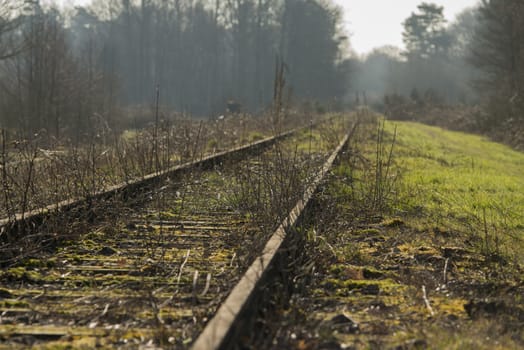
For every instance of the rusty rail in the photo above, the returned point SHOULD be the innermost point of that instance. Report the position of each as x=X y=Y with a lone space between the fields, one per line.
x=26 y=222
x=222 y=330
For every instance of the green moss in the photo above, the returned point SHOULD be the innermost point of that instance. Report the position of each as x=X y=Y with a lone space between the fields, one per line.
x=336 y=269
x=368 y=232
x=22 y=274
x=15 y=272
x=13 y=304
x=5 y=293
x=39 y=263
x=392 y=222
x=33 y=263
x=372 y=273
x=255 y=136
x=212 y=144
x=375 y=287
x=89 y=244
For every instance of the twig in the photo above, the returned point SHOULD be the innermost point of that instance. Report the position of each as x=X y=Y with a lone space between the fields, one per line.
x=155 y=131
x=426 y=301
x=94 y=321
x=446 y=271
x=197 y=143
x=208 y=283
x=106 y=308
x=182 y=266
x=232 y=259
x=195 y=281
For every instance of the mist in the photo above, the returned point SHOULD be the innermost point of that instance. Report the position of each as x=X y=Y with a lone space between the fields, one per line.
x=199 y=55
x=59 y=67
x=443 y=73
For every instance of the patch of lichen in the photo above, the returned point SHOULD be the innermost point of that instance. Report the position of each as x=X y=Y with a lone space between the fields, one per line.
x=10 y=304
x=22 y=274
x=33 y=263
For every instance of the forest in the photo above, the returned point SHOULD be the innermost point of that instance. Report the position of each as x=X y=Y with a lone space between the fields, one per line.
x=469 y=71
x=59 y=69
x=62 y=67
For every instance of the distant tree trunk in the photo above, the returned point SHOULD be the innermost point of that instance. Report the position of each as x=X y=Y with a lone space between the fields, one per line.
x=497 y=52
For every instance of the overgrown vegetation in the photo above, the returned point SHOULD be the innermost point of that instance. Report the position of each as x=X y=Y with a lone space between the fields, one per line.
x=415 y=242
x=270 y=187
x=463 y=183
x=35 y=175
x=436 y=265
x=156 y=269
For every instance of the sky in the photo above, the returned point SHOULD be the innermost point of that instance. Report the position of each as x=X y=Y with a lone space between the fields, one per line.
x=375 y=23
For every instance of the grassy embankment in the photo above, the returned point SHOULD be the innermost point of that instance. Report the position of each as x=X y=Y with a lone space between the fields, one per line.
x=425 y=243
x=465 y=183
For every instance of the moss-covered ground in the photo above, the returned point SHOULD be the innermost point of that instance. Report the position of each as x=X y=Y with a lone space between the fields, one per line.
x=152 y=275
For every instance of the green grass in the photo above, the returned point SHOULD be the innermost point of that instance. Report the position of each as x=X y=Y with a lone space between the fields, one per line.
x=462 y=182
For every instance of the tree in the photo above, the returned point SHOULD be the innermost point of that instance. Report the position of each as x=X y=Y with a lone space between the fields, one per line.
x=425 y=33
x=376 y=73
x=51 y=85
x=10 y=45
x=497 y=52
x=462 y=32
x=430 y=66
x=200 y=52
x=310 y=46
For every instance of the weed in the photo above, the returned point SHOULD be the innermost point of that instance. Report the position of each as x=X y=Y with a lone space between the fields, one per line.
x=369 y=184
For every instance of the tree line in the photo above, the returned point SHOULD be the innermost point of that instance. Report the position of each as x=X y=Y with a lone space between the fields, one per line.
x=497 y=51
x=62 y=71
x=432 y=66
x=476 y=60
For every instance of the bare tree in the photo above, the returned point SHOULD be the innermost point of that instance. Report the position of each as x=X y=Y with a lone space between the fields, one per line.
x=10 y=11
x=497 y=51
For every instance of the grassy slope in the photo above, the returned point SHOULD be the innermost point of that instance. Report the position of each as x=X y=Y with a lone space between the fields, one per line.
x=380 y=257
x=462 y=182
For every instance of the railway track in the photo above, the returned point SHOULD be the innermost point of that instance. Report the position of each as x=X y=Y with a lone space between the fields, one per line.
x=155 y=274
x=25 y=223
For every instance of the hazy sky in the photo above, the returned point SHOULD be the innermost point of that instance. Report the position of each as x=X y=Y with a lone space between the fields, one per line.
x=374 y=23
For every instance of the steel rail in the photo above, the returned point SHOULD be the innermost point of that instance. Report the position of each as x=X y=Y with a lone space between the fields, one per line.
x=22 y=223
x=226 y=325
